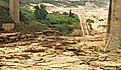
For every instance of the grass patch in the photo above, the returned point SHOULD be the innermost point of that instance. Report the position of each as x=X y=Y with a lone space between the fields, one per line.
x=100 y=4
x=61 y=22
x=57 y=18
x=30 y=26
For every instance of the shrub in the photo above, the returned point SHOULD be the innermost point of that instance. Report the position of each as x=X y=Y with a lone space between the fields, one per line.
x=40 y=13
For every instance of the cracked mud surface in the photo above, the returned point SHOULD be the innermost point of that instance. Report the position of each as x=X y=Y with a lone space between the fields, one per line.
x=45 y=52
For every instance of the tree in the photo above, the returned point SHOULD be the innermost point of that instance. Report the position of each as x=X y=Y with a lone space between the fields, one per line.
x=40 y=12
x=6 y=1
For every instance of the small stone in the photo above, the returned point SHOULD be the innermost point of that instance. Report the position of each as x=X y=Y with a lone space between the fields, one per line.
x=64 y=59
x=35 y=49
x=60 y=65
x=2 y=64
x=69 y=53
x=105 y=64
x=72 y=48
x=69 y=42
x=82 y=67
x=58 y=44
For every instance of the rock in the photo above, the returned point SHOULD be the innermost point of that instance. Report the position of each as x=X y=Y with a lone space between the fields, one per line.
x=60 y=65
x=51 y=37
x=64 y=59
x=51 y=40
x=59 y=47
x=7 y=56
x=47 y=46
x=68 y=42
x=57 y=44
x=35 y=49
x=22 y=55
x=10 y=34
x=8 y=26
x=13 y=39
x=41 y=38
x=88 y=58
x=80 y=53
x=102 y=58
x=23 y=36
x=71 y=48
x=77 y=32
x=35 y=44
x=44 y=64
x=49 y=32
x=1 y=40
x=30 y=35
x=2 y=64
x=29 y=62
x=81 y=67
x=39 y=33
x=69 y=53
x=106 y=64
x=16 y=64
x=81 y=62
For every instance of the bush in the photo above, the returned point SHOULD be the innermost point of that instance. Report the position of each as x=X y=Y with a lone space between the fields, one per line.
x=62 y=22
x=57 y=18
x=26 y=13
x=6 y=19
x=40 y=13
x=3 y=11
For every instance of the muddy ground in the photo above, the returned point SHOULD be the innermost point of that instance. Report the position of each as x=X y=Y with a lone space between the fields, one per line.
x=45 y=51
x=48 y=51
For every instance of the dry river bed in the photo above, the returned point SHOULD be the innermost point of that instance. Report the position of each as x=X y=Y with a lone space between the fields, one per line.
x=47 y=52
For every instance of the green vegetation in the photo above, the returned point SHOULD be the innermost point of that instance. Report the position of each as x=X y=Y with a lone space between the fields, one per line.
x=3 y=3
x=26 y=12
x=40 y=12
x=32 y=26
x=62 y=22
x=26 y=17
x=57 y=18
x=30 y=23
x=4 y=17
x=65 y=22
x=100 y=4
x=40 y=19
x=71 y=15
x=3 y=11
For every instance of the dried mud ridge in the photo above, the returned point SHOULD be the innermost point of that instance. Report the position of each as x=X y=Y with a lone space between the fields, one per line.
x=49 y=52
